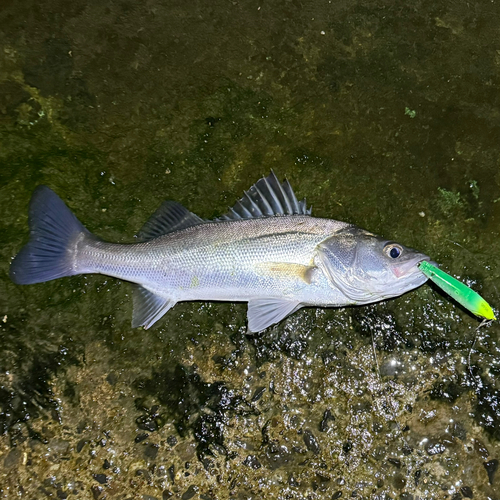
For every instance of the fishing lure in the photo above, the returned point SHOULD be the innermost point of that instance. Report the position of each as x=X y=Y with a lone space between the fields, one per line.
x=460 y=292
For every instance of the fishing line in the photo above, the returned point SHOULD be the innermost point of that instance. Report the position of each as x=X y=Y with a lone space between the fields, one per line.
x=392 y=414
x=484 y=323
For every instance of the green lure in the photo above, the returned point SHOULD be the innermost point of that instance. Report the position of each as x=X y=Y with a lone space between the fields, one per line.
x=460 y=292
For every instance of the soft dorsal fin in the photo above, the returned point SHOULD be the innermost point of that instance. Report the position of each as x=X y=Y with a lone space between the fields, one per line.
x=267 y=197
x=171 y=216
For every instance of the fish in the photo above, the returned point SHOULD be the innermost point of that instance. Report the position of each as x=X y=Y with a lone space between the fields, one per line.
x=267 y=250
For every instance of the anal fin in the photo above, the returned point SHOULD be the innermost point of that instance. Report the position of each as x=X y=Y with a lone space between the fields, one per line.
x=266 y=312
x=148 y=307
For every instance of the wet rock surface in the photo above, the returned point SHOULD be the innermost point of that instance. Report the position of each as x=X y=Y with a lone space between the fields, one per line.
x=383 y=116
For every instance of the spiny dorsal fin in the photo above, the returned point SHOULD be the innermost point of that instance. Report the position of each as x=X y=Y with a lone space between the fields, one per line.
x=171 y=216
x=266 y=198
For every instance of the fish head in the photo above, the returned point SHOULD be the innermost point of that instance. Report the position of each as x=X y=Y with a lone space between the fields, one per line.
x=367 y=268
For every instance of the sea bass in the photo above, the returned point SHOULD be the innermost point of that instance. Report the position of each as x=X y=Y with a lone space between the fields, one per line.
x=267 y=250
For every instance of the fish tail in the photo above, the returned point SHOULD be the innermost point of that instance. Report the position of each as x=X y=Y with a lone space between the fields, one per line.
x=54 y=233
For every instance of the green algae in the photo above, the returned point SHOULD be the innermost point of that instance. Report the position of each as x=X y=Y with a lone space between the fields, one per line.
x=449 y=201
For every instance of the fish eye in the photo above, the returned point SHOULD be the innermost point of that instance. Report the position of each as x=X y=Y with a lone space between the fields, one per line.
x=393 y=250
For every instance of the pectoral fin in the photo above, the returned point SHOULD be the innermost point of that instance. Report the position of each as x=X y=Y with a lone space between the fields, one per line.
x=286 y=271
x=148 y=307
x=266 y=312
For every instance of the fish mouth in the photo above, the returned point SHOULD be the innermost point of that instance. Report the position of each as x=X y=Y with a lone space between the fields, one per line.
x=411 y=266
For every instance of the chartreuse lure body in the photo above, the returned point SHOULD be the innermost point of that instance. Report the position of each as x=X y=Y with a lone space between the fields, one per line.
x=460 y=292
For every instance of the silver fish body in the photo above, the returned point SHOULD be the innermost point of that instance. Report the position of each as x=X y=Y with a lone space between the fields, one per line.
x=236 y=260
x=267 y=251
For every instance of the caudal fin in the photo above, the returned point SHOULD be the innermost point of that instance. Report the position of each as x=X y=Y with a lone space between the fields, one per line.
x=54 y=231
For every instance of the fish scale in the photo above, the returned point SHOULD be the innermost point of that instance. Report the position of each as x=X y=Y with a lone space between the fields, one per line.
x=224 y=262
